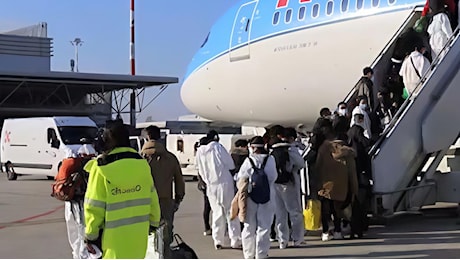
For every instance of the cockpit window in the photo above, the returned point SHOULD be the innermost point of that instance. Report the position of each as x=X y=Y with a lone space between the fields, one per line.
x=288 y=16
x=391 y=2
x=315 y=11
x=344 y=6
x=359 y=4
x=375 y=3
x=205 y=40
x=302 y=11
x=329 y=7
x=276 y=18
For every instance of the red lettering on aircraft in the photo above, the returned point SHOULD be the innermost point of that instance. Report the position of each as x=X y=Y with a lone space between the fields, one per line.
x=304 y=1
x=7 y=136
x=282 y=3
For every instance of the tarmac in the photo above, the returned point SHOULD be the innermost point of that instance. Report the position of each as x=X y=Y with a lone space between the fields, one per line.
x=32 y=226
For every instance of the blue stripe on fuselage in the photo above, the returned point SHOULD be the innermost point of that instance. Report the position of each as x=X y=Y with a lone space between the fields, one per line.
x=262 y=26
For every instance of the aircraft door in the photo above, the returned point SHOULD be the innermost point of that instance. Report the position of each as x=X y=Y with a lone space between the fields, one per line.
x=241 y=32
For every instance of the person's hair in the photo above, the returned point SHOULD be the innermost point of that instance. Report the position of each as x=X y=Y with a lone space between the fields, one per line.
x=341 y=103
x=241 y=143
x=259 y=141
x=204 y=141
x=363 y=97
x=213 y=136
x=358 y=116
x=340 y=124
x=115 y=135
x=290 y=132
x=323 y=111
x=153 y=132
x=367 y=70
x=276 y=130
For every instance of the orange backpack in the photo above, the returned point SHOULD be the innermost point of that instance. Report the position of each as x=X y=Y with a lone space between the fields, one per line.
x=70 y=182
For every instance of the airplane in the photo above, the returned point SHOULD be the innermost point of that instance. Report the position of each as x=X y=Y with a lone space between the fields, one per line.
x=280 y=61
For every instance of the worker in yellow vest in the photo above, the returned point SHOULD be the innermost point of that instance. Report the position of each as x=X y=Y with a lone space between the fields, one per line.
x=121 y=203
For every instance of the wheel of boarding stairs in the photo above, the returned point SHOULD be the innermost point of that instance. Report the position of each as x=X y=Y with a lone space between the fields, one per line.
x=10 y=173
x=50 y=177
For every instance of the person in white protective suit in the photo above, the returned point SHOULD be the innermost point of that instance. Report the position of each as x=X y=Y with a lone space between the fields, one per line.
x=256 y=232
x=362 y=109
x=286 y=195
x=73 y=211
x=214 y=165
x=439 y=29
x=413 y=68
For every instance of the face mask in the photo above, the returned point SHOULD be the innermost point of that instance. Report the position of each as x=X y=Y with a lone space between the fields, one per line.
x=251 y=150
x=328 y=117
x=343 y=112
x=363 y=106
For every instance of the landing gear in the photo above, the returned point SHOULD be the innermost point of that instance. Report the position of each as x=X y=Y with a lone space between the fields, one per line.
x=10 y=173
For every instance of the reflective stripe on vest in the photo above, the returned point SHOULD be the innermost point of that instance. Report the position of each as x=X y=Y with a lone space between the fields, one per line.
x=118 y=205
x=126 y=221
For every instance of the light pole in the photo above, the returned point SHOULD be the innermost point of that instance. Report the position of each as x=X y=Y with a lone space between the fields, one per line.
x=77 y=42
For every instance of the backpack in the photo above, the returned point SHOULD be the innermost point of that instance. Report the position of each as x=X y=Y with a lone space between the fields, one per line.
x=70 y=182
x=281 y=155
x=259 y=189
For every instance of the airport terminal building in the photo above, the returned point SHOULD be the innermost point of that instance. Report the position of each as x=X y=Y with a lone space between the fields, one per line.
x=28 y=87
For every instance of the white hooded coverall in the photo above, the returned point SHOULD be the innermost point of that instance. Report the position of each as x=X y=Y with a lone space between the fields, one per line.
x=440 y=31
x=287 y=202
x=367 y=121
x=73 y=214
x=408 y=72
x=214 y=165
x=259 y=217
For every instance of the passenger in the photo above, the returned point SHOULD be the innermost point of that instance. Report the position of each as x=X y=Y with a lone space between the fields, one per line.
x=383 y=109
x=239 y=154
x=215 y=164
x=394 y=84
x=291 y=135
x=365 y=86
x=361 y=145
x=341 y=124
x=73 y=211
x=413 y=68
x=439 y=29
x=121 y=201
x=451 y=7
x=165 y=170
x=255 y=235
x=362 y=108
x=288 y=163
x=342 y=110
x=202 y=187
x=336 y=170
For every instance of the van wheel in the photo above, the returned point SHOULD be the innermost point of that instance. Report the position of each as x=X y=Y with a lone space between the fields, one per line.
x=11 y=175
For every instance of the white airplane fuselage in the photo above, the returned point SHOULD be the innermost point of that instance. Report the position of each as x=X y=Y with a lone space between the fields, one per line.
x=286 y=78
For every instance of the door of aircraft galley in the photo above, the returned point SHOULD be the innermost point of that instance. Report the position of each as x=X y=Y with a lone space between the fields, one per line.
x=241 y=32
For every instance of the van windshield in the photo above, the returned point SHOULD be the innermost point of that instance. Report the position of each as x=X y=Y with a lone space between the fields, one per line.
x=77 y=134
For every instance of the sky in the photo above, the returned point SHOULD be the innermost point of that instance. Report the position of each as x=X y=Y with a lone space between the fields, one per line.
x=168 y=33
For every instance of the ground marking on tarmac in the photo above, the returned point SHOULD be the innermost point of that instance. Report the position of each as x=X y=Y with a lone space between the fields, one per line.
x=32 y=217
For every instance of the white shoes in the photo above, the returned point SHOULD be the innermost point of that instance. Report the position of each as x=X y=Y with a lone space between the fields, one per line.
x=325 y=237
x=283 y=245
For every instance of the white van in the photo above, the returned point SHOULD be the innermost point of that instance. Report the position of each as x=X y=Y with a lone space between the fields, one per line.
x=38 y=145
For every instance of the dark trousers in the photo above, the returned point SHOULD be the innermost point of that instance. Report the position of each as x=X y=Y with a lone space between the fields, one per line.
x=206 y=212
x=167 y=214
x=327 y=209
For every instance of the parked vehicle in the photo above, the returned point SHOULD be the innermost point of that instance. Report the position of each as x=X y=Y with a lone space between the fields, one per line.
x=38 y=145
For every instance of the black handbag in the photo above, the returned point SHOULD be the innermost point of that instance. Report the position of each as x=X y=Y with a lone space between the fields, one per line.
x=181 y=250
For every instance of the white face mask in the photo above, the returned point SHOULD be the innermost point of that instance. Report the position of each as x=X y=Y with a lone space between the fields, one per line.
x=343 y=112
x=251 y=150
x=363 y=106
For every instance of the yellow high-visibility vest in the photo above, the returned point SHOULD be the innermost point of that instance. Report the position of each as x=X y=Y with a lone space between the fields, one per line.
x=122 y=201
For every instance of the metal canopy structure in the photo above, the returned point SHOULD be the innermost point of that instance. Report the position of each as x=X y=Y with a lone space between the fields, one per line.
x=69 y=93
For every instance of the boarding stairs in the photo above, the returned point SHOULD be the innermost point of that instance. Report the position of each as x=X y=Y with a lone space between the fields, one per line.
x=406 y=156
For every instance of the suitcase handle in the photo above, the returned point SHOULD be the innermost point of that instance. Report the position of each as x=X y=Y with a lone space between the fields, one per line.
x=178 y=239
